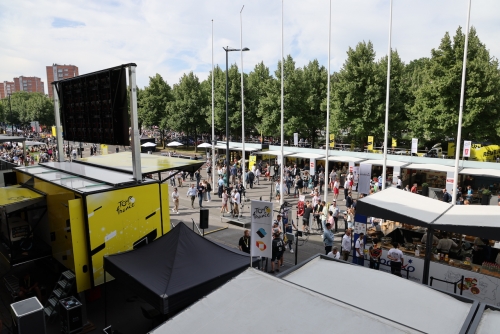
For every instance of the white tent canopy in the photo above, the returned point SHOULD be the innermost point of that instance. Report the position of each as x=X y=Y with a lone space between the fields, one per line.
x=277 y=153
x=390 y=163
x=418 y=307
x=344 y=159
x=402 y=206
x=247 y=149
x=489 y=323
x=148 y=144
x=203 y=145
x=174 y=143
x=307 y=155
x=433 y=167
x=34 y=143
x=480 y=172
x=223 y=147
x=253 y=303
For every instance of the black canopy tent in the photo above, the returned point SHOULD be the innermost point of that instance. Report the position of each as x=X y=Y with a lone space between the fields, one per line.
x=177 y=269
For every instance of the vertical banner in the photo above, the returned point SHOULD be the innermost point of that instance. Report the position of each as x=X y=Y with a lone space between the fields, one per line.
x=414 y=145
x=467 y=146
x=332 y=141
x=312 y=166
x=451 y=149
x=355 y=174
x=449 y=181
x=252 y=160
x=396 y=171
x=296 y=139
x=261 y=229
x=104 y=149
x=394 y=142
x=365 y=173
x=369 y=147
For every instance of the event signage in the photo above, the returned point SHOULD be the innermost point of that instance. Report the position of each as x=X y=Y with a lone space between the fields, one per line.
x=332 y=141
x=261 y=235
x=365 y=173
x=394 y=142
x=312 y=166
x=414 y=145
x=369 y=147
x=450 y=176
x=296 y=139
x=467 y=146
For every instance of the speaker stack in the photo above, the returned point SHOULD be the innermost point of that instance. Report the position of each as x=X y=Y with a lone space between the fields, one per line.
x=204 y=219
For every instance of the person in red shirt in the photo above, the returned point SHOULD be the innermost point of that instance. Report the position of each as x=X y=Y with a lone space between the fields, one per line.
x=414 y=188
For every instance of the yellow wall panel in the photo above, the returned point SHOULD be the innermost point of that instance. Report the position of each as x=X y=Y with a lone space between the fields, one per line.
x=165 y=207
x=121 y=220
x=79 y=239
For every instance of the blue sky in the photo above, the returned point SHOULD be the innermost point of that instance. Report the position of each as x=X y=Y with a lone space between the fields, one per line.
x=173 y=37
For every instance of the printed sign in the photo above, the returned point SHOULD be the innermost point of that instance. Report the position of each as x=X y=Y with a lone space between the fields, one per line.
x=394 y=142
x=467 y=146
x=261 y=235
x=414 y=145
x=369 y=147
x=296 y=139
x=312 y=166
x=365 y=172
x=332 y=140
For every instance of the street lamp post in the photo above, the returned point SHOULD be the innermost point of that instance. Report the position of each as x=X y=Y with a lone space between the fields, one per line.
x=11 y=121
x=227 y=49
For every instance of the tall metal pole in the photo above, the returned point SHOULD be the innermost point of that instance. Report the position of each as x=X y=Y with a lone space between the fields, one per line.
x=282 y=167
x=11 y=118
x=227 y=120
x=386 y=130
x=461 y=109
x=59 y=137
x=213 y=113
x=328 y=103
x=242 y=104
x=134 y=122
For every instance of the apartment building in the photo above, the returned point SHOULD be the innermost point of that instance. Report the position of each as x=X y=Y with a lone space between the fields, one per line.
x=6 y=88
x=29 y=84
x=59 y=72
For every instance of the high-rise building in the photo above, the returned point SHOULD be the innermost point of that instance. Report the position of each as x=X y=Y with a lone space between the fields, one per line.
x=59 y=72
x=29 y=84
x=6 y=88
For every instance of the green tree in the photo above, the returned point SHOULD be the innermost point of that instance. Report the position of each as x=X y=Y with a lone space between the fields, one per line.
x=152 y=104
x=40 y=108
x=435 y=113
x=356 y=95
x=258 y=79
x=187 y=111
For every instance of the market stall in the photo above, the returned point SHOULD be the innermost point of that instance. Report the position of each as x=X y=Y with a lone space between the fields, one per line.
x=423 y=228
x=433 y=175
x=393 y=169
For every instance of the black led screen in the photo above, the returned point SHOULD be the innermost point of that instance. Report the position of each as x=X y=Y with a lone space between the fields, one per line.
x=94 y=107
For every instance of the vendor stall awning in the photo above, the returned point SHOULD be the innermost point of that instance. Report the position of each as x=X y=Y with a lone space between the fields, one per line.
x=344 y=159
x=276 y=152
x=247 y=149
x=14 y=198
x=417 y=309
x=150 y=163
x=401 y=206
x=433 y=167
x=307 y=155
x=223 y=147
x=481 y=221
x=254 y=302
x=10 y=139
x=390 y=163
x=480 y=172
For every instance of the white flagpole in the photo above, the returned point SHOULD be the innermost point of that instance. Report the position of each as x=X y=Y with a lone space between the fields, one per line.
x=213 y=114
x=461 y=109
x=282 y=167
x=386 y=130
x=242 y=105
x=328 y=104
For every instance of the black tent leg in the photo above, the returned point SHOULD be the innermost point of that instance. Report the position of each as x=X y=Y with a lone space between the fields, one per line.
x=105 y=298
x=428 y=254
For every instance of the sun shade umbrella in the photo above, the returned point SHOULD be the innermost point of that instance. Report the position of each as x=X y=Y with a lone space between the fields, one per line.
x=204 y=145
x=148 y=144
x=175 y=143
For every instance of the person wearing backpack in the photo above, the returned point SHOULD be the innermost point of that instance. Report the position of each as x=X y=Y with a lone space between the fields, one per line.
x=446 y=196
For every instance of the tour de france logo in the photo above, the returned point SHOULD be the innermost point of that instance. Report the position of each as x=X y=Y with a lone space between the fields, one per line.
x=259 y=213
x=125 y=204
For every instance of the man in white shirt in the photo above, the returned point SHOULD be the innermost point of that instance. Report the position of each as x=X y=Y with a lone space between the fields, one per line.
x=347 y=184
x=334 y=253
x=192 y=193
x=397 y=260
x=346 y=245
x=398 y=182
x=360 y=249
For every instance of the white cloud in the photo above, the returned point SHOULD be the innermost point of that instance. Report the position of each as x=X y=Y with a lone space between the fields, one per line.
x=173 y=37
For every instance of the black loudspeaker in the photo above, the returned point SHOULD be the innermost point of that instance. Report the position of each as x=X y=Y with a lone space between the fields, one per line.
x=204 y=218
x=28 y=317
x=10 y=179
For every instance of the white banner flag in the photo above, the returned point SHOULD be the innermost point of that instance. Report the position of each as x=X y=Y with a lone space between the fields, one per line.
x=467 y=146
x=296 y=139
x=414 y=145
x=365 y=174
x=261 y=230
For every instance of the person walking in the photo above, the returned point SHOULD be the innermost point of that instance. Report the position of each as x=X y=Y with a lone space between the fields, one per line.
x=224 y=209
x=289 y=226
x=257 y=175
x=175 y=197
x=277 y=252
x=335 y=213
x=346 y=245
x=236 y=203
x=360 y=249
x=191 y=193
x=336 y=190
x=220 y=185
x=347 y=184
x=328 y=238
x=208 y=189
x=200 y=191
